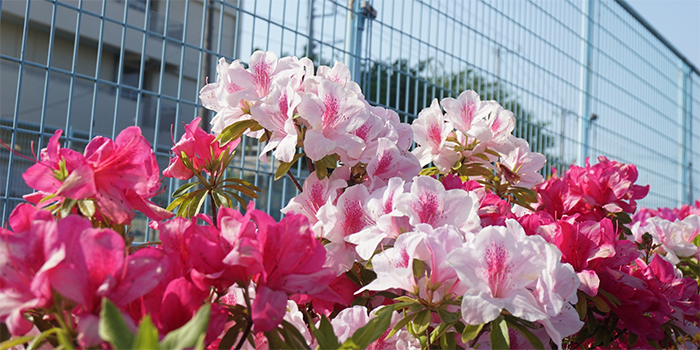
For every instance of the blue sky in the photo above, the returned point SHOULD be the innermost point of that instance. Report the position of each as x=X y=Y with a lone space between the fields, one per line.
x=677 y=20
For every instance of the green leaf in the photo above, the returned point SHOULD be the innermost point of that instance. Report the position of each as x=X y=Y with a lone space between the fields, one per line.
x=65 y=341
x=112 y=328
x=147 y=335
x=421 y=322
x=324 y=334
x=283 y=168
x=66 y=206
x=184 y=188
x=613 y=300
x=187 y=335
x=245 y=190
x=329 y=161
x=321 y=170
x=533 y=339
x=600 y=304
x=274 y=340
x=227 y=342
x=371 y=331
x=235 y=131
x=199 y=345
x=196 y=204
x=292 y=336
x=401 y=324
x=449 y=317
x=448 y=342
x=176 y=203
x=243 y=182
x=11 y=343
x=582 y=306
x=39 y=339
x=470 y=332
x=439 y=331
x=87 y=207
x=499 y=334
x=240 y=199
x=418 y=268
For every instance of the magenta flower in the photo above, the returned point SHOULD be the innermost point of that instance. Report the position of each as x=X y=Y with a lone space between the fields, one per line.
x=27 y=255
x=201 y=149
x=120 y=175
x=292 y=264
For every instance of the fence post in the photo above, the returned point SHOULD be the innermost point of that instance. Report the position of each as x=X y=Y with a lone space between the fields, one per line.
x=584 y=124
x=684 y=85
x=351 y=33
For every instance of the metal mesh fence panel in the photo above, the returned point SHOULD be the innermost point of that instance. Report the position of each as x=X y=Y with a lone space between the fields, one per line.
x=584 y=78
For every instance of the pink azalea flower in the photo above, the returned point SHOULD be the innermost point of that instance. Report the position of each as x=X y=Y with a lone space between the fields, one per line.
x=275 y=114
x=501 y=123
x=315 y=195
x=201 y=150
x=43 y=176
x=467 y=112
x=499 y=265
x=583 y=243
x=388 y=163
x=121 y=175
x=676 y=238
x=292 y=264
x=389 y=222
x=608 y=185
x=95 y=266
x=429 y=203
x=521 y=166
x=217 y=257
x=348 y=216
x=27 y=256
x=332 y=116
x=430 y=131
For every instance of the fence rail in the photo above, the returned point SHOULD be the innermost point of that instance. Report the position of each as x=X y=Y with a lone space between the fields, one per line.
x=584 y=77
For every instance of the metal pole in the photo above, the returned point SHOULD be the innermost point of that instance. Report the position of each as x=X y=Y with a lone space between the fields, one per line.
x=684 y=193
x=350 y=41
x=585 y=102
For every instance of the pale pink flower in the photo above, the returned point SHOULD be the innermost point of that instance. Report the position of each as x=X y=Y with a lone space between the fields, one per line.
x=466 y=113
x=521 y=165
x=428 y=202
x=501 y=123
x=389 y=162
x=381 y=208
x=275 y=114
x=332 y=116
x=676 y=238
x=315 y=195
x=348 y=216
x=430 y=132
x=499 y=266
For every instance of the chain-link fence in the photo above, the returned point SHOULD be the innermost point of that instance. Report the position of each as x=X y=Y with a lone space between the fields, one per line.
x=584 y=78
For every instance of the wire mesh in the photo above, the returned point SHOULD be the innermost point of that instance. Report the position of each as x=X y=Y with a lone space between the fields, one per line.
x=583 y=78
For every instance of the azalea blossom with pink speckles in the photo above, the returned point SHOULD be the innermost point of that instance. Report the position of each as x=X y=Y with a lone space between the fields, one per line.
x=429 y=203
x=499 y=265
x=467 y=112
x=430 y=132
x=332 y=116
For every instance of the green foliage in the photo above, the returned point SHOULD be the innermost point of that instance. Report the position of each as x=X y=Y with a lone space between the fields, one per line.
x=113 y=329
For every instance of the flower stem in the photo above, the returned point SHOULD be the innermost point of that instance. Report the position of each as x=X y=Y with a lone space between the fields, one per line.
x=294 y=180
x=214 y=209
x=249 y=326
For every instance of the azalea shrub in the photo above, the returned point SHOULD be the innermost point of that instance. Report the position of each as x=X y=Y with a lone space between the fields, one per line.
x=437 y=234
